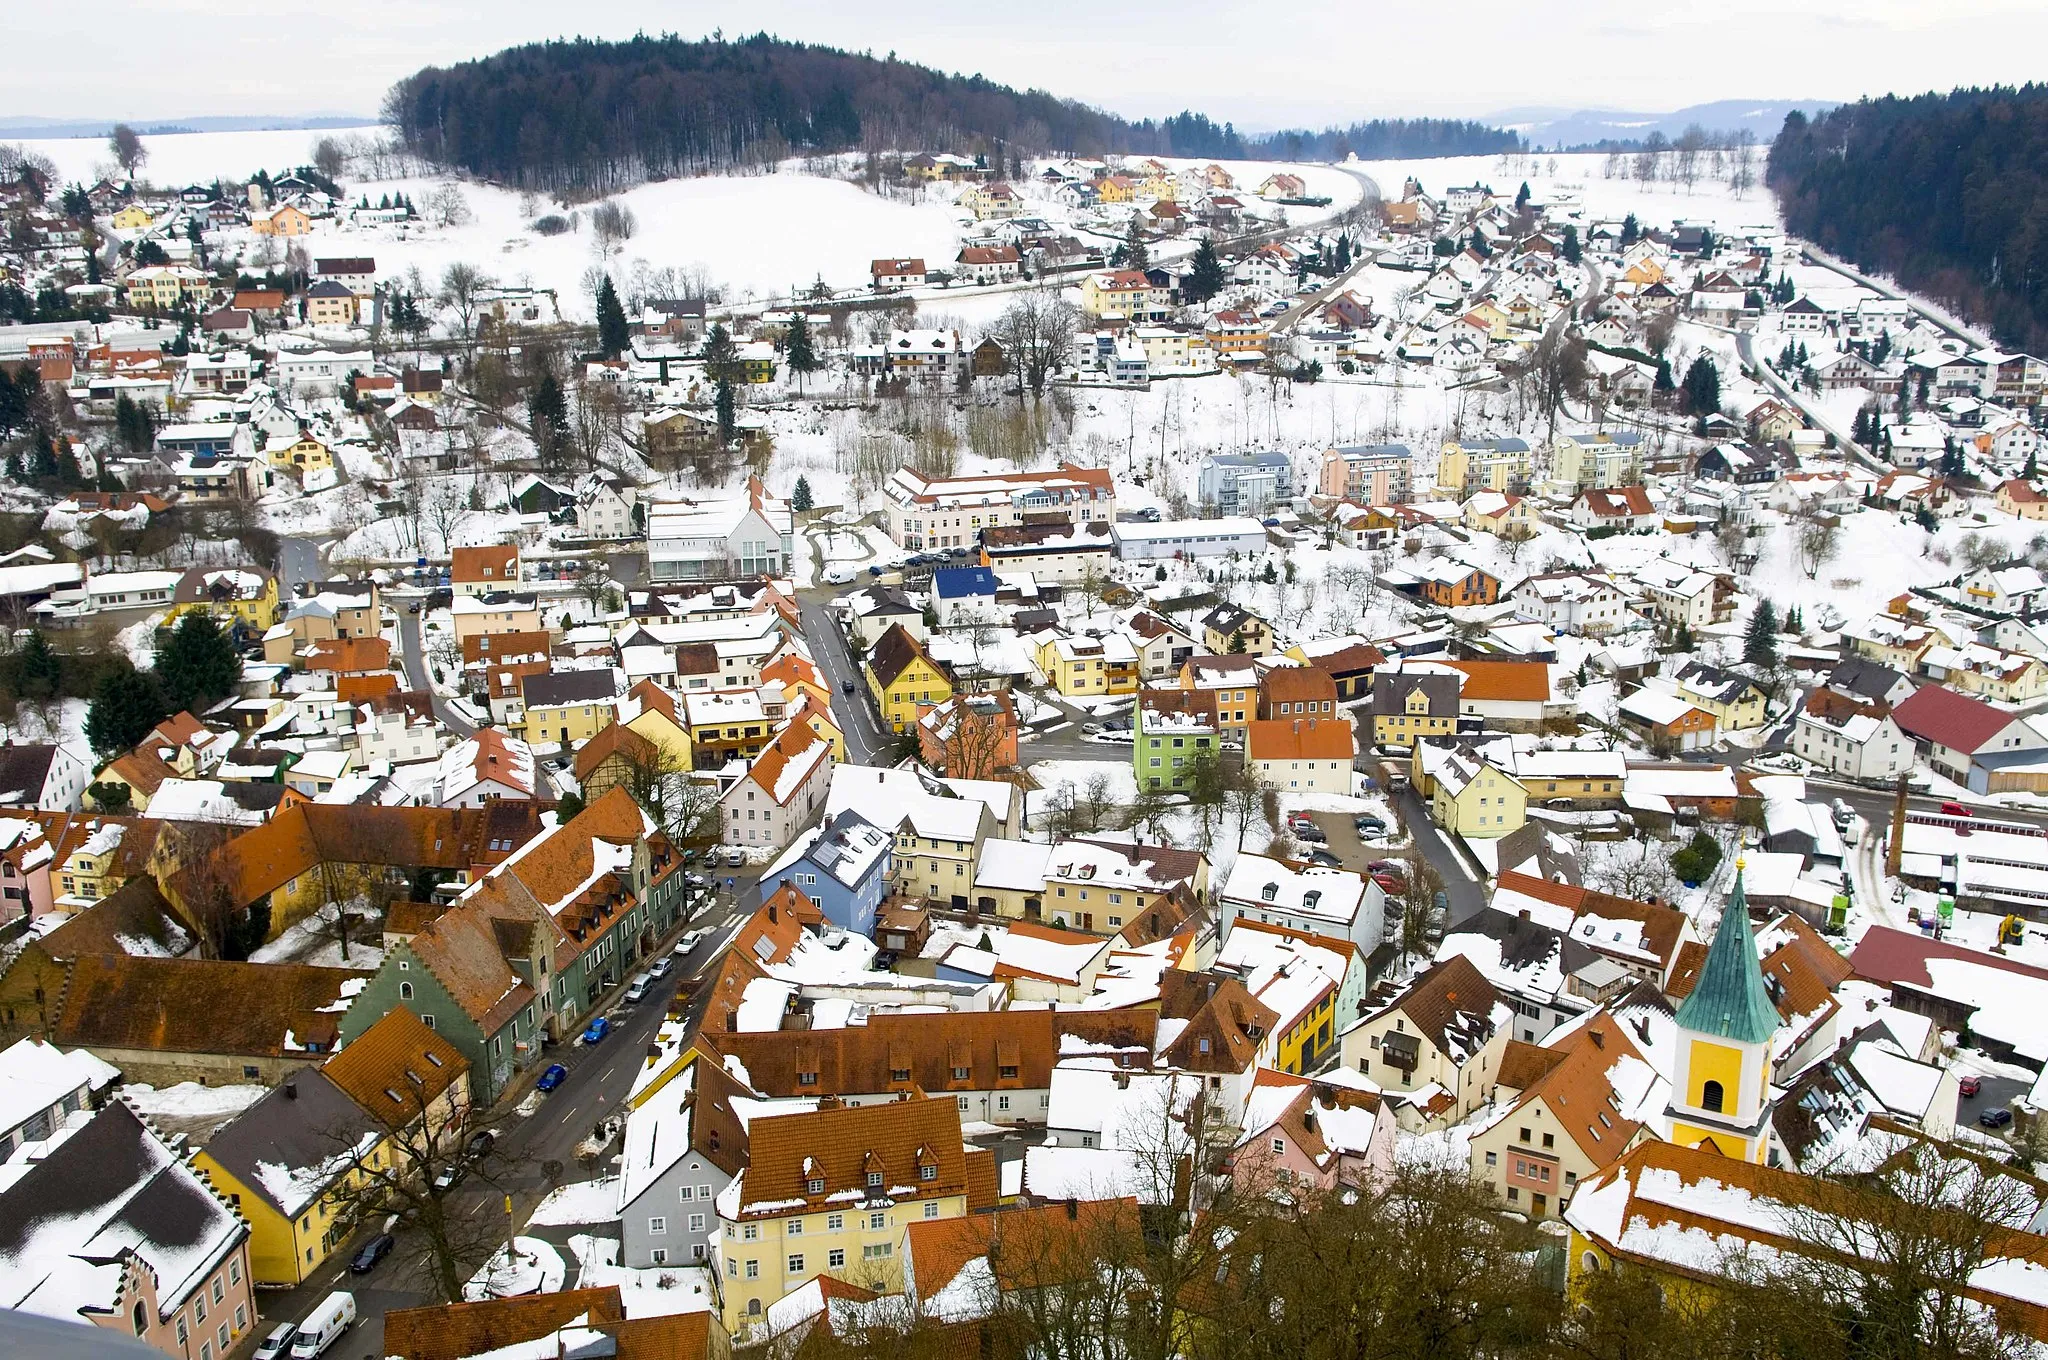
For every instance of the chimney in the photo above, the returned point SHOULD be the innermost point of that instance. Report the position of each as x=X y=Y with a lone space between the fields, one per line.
x=1524 y=913
x=291 y=1090
x=1073 y=1209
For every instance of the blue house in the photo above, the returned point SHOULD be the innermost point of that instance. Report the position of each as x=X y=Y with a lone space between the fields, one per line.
x=964 y=595
x=843 y=866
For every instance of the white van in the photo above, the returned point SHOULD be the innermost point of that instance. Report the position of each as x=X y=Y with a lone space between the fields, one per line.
x=839 y=574
x=324 y=1325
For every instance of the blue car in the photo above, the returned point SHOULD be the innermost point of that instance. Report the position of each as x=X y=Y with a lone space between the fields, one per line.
x=553 y=1077
x=597 y=1030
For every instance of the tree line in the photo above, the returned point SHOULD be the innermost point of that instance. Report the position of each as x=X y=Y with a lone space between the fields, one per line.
x=597 y=116
x=1946 y=193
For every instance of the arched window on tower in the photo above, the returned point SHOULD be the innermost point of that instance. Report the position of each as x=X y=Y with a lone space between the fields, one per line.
x=1710 y=1097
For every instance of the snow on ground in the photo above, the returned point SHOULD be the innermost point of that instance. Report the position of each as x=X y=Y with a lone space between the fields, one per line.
x=535 y=1267
x=186 y=158
x=652 y=1292
x=582 y=1202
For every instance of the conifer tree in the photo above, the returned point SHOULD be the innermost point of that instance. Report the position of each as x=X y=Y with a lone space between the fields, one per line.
x=801 y=357
x=1205 y=278
x=1760 y=641
x=614 y=336
x=800 y=498
x=728 y=421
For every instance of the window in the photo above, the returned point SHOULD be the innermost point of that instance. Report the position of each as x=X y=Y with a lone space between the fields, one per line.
x=703 y=1192
x=241 y=1317
x=874 y=1180
x=1279 y=1145
x=1549 y=1140
x=1711 y=1097
x=931 y=1208
x=751 y=1232
x=795 y=1263
x=753 y=1270
x=795 y=1228
x=217 y=1292
x=876 y=1222
x=657 y=1224
x=234 y=1272
x=696 y=1223
x=835 y=1258
x=1492 y=1159
x=876 y=1251
x=815 y=1186
x=928 y=1173
x=405 y=991
x=660 y=1255
x=834 y=1222
x=683 y=1193
x=222 y=1337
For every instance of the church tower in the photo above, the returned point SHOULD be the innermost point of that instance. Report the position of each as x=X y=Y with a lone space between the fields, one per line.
x=1721 y=1091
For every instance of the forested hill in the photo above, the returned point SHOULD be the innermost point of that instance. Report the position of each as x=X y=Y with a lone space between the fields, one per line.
x=600 y=115
x=1947 y=193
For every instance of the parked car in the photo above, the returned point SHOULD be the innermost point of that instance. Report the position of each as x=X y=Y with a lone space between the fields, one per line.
x=661 y=967
x=480 y=1144
x=1325 y=859
x=1370 y=826
x=1995 y=1119
x=273 y=1346
x=1970 y=1086
x=594 y=1032
x=1310 y=834
x=636 y=990
x=324 y=1325
x=1091 y=729
x=450 y=1177
x=690 y=941
x=1387 y=866
x=839 y=575
x=553 y=1077
x=734 y=857
x=1390 y=884
x=1956 y=810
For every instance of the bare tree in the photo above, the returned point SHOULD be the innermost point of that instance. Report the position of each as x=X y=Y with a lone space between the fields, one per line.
x=462 y=286
x=447 y=206
x=1036 y=332
x=445 y=507
x=612 y=224
x=1819 y=539
x=329 y=158
x=129 y=152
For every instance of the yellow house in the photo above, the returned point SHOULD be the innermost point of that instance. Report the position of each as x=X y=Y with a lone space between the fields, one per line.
x=131 y=218
x=1549 y=1136
x=902 y=676
x=284 y=220
x=1115 y=189
x=165 y=286
x=1734 y=700
x=830 y=1192
x=476 y=614
x=1496 y=322
x=1477 y=799
x=816 y=714
x=568 y=707
x=1499 y=514
x=652 y=712
x=297 y=1162
x=305 y=454
x=1160 y=186
x=1080 y=666
x=241 y=595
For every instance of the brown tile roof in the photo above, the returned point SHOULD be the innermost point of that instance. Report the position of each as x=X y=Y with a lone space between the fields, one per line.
x=893 y=653
x=1031 y=1248
x=1300 y=739
x=1577 y=1089
x=490 y=649
x=652 y=696
x=409 y=918
x=461 y=948
x=115 y=1001
x=614 y=739
x=136 y=911
x=349 y=656
x=142 y=771
x=1662 y=925
x=468 y=564
x=863 y=1059
x=1520 y=681
x=396 y=1068
x=1225 y=1022
x=456 y=1331
x=1298 y=684
x=839 y=1148
x=1522 y=1065
x=1451 y=1005
x=1685 y=972
x=790 y=744
x=357 y=689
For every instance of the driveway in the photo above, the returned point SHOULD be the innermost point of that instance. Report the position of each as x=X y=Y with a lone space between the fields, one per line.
x=298 y=561
x=423 y=679
x=1464 y=893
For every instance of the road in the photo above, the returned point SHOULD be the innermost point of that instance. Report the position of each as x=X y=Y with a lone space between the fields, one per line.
x=1745 y=346
x=599 y=1080
x=1465 y=895
x=423 y=679
x=298 y=561
x=866 y=742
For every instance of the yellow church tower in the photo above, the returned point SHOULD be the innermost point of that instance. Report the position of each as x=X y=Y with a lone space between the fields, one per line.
x=1721 y=1092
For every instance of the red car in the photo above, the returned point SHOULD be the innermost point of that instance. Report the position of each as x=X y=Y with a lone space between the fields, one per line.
x=1969 y=1086
x=1388 y=883
x=1955 y=810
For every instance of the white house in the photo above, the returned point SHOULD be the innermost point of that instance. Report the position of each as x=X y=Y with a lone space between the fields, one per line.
x=1571 y=602
x=604 y=507
x=711 y=540
x=1333 y=902
x=780 y=793
x=1139 y=541
x=1853 y=744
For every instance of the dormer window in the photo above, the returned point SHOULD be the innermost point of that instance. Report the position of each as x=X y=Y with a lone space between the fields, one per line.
x=874 y=1180
x=815 y=1186
x=928 y=1173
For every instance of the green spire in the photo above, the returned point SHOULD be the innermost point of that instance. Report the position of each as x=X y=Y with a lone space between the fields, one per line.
x=1730 y=1001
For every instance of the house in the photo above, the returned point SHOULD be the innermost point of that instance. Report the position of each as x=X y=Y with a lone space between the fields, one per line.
x=1772 y=421
x=1054 y=552
x=568 y=707
x=45 y=1087
x=561 y=1323
x=1173 y=731
x=605 y=507
x=1491 y=465
x=1610 y=459
x=685 y=1141
x=925 y=513
x=47 y=777
x=1287 y=692
x=902 y=676
x=964 y=596
x=938 y=825
x=1245 y=483
x=1302 y=755
x=486 y=766
x=1668 y=723
x=293 y=1162
x=1733 y=698
x=970 y=736
x=1989 y=750
x=1452 y=584
x=992 y=200
x=780 y=792
x=1186 y=539
x=1127 y=293
x=1336 y=903
x=1322 y=1134
x=1377 y=474
x=1230 y=630
x=826 y=1192
x=2021 y=500
x=1411 y=705
x=986 y=264
x=1502 y=515
x=490 y=570
x=1743 y=464
x=1510 y=695
x=1571 y=602
x=842 y=867
x=357 y=273
x=111 y=1228
x=2009 y=588
x=330 y=304
x=1477 y=799
x=1622 y=509
x=718 y=540
x=896 y=273
x=1437 y=1042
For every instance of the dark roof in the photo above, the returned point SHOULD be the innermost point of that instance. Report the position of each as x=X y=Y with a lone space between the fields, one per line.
x=1864 y=678
x=115 y=1001
x=570 y=687
x=23 y=770
x=328 y=288
x=1938 y=714
x=1390 y=692
x=1526 y=944
x=1452 y=1006
x=893 y=653
x=307 y=1124
x=1717 y=683
x=347 y=264
x=958 y=582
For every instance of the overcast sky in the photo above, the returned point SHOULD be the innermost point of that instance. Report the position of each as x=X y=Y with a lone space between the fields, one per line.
x=1261 y=64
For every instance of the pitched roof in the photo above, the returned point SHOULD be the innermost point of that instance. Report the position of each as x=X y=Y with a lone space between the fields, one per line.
x=1296 y=684
x=1225 y=1022
x=614 y=739
x=396 y=1067
x=893 y=653
x=1025 y=1248
x=300 y=1138
x=1730 y=999
x=1451 y=1005
x=1516 y=681
x=1300 y=739
x=457 y=1331
x=469 y=565
x=839 y=1148
x=1940 y=715
x=115 y=1001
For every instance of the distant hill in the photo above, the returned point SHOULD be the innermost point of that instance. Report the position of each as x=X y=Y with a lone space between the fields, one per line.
x=601 y=115
x=1946 y=193
x=27 y=126
x=1601 y=129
